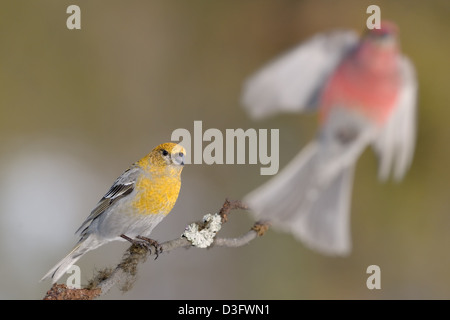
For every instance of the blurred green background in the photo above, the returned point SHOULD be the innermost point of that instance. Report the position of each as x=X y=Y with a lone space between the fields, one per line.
x=79 y=106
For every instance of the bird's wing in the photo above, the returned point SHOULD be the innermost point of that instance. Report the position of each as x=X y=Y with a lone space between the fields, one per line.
x=395 y=144
x=292 y=82
x=123 y=186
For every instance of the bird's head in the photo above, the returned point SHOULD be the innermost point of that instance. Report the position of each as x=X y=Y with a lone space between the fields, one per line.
x=386 y=35
x=165 y=156
x=168 y=154
x=379 y=49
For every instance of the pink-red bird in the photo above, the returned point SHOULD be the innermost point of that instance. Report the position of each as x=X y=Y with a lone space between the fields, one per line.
x=365 y=93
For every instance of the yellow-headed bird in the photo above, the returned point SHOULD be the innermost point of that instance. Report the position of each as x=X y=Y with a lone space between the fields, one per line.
x=136 y=202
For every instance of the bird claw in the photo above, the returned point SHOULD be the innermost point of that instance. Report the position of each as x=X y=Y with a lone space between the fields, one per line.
x=146 y=243
x=151 y=243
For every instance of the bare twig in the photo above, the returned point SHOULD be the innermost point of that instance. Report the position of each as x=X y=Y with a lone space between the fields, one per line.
x=258 y=229
x=124 y=274
x=230 y=205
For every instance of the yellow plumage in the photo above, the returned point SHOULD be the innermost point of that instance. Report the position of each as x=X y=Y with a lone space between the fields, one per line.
x=156 y=195
x=158 y=189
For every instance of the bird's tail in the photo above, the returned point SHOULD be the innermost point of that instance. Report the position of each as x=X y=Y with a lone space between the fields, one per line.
x=77 y=252
x=300 y=200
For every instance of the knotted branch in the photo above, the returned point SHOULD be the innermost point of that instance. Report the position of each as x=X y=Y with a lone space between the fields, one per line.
x=124 y=274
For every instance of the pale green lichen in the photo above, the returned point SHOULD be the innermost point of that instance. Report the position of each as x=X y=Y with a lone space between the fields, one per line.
x=203 y=236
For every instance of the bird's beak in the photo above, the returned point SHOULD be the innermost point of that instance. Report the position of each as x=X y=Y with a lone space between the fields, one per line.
x=178 y=158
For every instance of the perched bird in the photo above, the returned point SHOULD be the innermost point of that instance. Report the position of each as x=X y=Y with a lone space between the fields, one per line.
x=365 y=93
x=136 y=202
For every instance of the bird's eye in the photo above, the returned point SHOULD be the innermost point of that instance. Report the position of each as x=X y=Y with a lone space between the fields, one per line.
x=181 y=154
x=165 y=152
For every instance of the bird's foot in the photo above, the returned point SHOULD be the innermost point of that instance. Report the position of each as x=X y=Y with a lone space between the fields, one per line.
x=145 y=242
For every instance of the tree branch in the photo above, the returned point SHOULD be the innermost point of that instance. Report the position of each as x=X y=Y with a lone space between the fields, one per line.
x=124 y=274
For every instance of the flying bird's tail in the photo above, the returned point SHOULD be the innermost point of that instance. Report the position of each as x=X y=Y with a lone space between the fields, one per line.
x=313 y=209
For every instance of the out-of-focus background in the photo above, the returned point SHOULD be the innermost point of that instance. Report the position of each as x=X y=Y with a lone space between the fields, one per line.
x=79 y=106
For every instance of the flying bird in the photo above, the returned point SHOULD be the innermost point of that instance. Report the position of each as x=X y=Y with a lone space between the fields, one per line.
x=365 y=91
